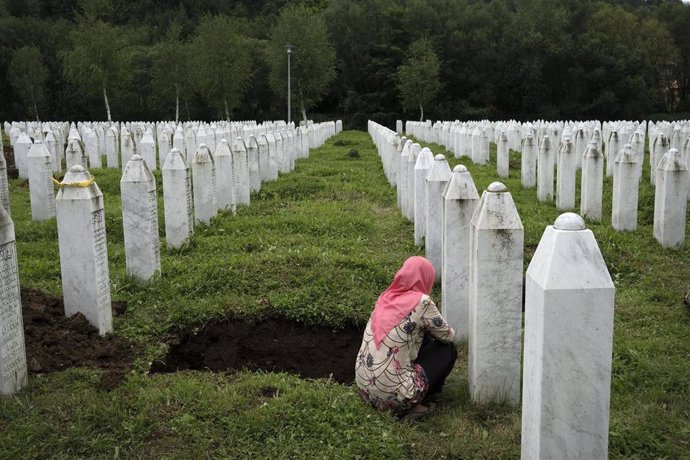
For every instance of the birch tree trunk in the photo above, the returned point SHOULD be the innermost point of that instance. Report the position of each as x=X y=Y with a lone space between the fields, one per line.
x=107 y=104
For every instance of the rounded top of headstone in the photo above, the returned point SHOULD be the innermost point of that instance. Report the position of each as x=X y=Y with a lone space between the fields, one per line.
x=440 y=157
x=203 y=146
x=136 y=157
x=673 y=151
x=77 y=169
x=569 y=221
x=497 y=187
x=460 y=169
x=174 y=150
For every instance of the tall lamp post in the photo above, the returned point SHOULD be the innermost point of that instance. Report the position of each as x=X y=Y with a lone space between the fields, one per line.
x=289 y=53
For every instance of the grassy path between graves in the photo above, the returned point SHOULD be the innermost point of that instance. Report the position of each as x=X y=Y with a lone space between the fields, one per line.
x=319 y=245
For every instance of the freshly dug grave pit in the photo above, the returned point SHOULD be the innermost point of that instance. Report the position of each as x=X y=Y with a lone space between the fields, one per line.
x=274 y=345
x=55 y=342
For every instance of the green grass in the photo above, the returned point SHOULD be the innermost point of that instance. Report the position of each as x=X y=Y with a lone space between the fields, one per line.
x=318 y=246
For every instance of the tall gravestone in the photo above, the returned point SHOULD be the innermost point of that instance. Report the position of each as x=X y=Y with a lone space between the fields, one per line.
x=625 y=191
x=4 y=185
x=436 y=180
x=51 y=145
x=670 y=200
x=460 y=199
x=565 y=175
x=569 y=303
x=13 y=371
x=592 y=183
x=240 y=167
x=111 y=151
x=272 y=157
x=503 y=156
x=545 y=171
x=264 y=159
x=21 y=151
x=529 y=163
x=92 y=148
x=253 y=164
x=190 y=144
x=612 y=149
x=128 y=147
x=83 y=249
x=421 y=170
x=409 y=199
x=495 y=320
x=178 y=202
x=140 y=219
x=402 y=174
x=41 y=188
x=224 y=177
x=164 y=143
x=204 y=185
x=147 y=150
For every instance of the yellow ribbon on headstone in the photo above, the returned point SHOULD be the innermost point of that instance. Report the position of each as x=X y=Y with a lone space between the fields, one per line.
x=81 y=184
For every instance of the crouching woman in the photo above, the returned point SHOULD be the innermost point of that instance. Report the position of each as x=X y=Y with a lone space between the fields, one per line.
x=407 y=350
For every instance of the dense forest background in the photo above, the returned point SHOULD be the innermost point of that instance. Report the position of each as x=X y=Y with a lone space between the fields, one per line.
x=522 y=59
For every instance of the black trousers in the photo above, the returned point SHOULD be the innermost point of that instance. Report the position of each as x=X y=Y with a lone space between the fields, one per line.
x=437 y=359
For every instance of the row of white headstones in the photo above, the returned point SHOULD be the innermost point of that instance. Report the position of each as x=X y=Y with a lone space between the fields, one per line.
x=476 y=245
x=218 y=181
x=582 y=145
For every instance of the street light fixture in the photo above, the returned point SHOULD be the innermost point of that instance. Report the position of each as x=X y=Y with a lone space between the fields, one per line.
x=289 y=53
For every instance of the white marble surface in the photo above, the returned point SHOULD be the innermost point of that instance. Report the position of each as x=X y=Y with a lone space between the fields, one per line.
x=253 y=164
x=240 y=165
x=127 y=148
x=204 y=185
x=21 y=151
x=140 y=219
x=528 y=169
x=272 y=156
x=4 y=185
x=460 y=200
x=408 y=211
x=164 y=142
x=502 y=156
x=190 y=145
x=83 y=250
x=436 y=180
x=92 y=148
x=264 y=159
x=592 y=186
x=545 y=171
x=402 y=187
x=147 y=150
x=111 y=148
x=179 y=144
x=612 y=148
x=178 y=202
x=565 y=175
x=421 y=170
x=224 y=177
x=495 y=319
x=51 y=144
x=281 y=163
x=569 y=305
x=13 y=371
x=625 y=191
x=41 y=188
x=660 y=146
x=670 y=200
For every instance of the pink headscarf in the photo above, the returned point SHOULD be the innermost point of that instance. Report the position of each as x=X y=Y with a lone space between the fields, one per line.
x=414 y=279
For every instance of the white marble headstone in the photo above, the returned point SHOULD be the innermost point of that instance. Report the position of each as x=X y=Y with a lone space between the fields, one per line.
x=83 y=249
x=495 y=320
x=140 y=219
x=204 y=185
x=670 y=200
x=178 y=202
x=13 y=371
x=41 y=188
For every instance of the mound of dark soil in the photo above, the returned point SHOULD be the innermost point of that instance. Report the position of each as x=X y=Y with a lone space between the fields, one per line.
x=274 y=344
x=55 y=342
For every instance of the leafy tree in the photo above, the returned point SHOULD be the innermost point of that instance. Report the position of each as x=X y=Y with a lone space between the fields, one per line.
x=99 y=59
x=170 y=71
x=418 y=78
x=223 y=62
x=28 y=76
x=312 y=66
